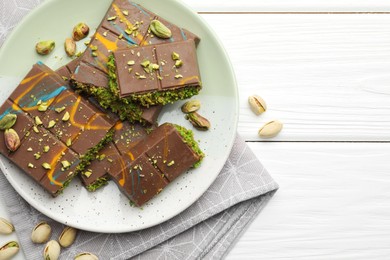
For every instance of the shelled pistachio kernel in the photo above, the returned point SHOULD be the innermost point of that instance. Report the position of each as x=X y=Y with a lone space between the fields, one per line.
x=8 y=121
x=8 y=250
x=160 y=30
x=11 y=139
x=6 y=227
x=59 y=109
x=46 y=166
x=66 y=116
x=257 y=104
x=67 y=236
x=52 y=250
x=41 y=233
x=70 y=47
x=198 y=121
x=271 y=129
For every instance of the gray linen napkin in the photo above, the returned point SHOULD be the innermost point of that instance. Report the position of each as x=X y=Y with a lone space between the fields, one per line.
x=207 y=229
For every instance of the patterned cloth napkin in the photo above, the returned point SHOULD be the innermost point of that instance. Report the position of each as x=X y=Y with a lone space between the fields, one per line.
x=206 y=230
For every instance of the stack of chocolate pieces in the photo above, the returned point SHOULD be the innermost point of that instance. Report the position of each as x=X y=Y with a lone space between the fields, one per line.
x=126 y=74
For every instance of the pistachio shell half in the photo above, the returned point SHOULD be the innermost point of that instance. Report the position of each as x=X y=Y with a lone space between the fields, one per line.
x=270 y=129
x=8 y=250
x=41 y=233
x=52 y=250
x=67 y=237
x=6 y=227
x=190 y=106
x=86 y=256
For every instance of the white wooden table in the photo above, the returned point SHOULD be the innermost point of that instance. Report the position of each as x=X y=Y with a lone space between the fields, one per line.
x=323 y=68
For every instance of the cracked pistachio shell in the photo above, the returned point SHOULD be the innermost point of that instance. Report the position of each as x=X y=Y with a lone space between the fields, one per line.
x=6 y=227
x=271 y=129
x=68 y=236
x=41 y=233
x=198 y=121
x=80 y=31
x=8 y=250
x=52 y=250
x=190 y=106
x=257 y=104
x=86 y=256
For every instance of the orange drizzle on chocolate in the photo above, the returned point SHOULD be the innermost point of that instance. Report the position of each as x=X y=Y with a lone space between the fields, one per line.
x=53 y=165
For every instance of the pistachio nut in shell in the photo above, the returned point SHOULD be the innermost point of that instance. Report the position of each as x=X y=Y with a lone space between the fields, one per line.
x=6 y=227
x=160 y=30
x=198 y=121
x=8 y=121
x=271 y=129
x=190 y=106
x=70 y=47
x=68 y=236
x=257 y=104
x=8 y=250
x=86 y=256
x=80 y=31
x=52 y=250
x=41 y=233
x=45 y=47
x=12 y=140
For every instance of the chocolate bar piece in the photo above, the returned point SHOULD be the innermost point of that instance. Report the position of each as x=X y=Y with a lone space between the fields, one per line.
x=60 y=132
x=155 y=161
x=155 y=74
x=126 y=24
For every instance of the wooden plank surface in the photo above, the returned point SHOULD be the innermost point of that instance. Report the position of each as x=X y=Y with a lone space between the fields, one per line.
x=332 y=203
x=326 y=76
x=289 y=5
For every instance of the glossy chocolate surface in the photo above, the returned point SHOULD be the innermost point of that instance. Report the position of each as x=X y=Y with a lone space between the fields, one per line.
x=167 y=76
x=48 y=114
x=155 y=161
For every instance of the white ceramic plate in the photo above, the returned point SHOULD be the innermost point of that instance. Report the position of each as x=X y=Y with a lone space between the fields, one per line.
x=107 y=210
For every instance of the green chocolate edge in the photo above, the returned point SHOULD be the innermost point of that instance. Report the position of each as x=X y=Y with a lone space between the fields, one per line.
x=150 y=98
x=188 y=137
x=91 y=154
x=105 y=98
x=100 y=182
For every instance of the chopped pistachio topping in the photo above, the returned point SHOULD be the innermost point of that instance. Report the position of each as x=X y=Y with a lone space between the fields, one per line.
x=59 y=109
x=51 y=124
x=66 y=116
x=36 y=130
x=155 y=66
x=178 y=76
x=46 y=148
x=102 y=157
x=42 y=107
x=65 y=164
x=175 y=56
x=94 y=54
x=125 y=12
x=105 y=33
x=110 y=160
x=130 y=69
x=178 y=63
x=112 y=18
x=142 y=77
x=87 y=42
x=38 y=121
x=145 y=63
x=131 y=62
x=68 y=142
x=46 y=166
x=37 y=156
x=120 y=36
x=87 y=173
x=171 y=163
x=29 y=149
x=129 y=31
x=93 y=47
x=30 y=165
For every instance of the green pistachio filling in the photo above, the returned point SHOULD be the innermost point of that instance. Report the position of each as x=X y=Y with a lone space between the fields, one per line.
x=91 y=154
x=97 y=184
x=188 y=137
x=153 y=97
x=105 y=98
